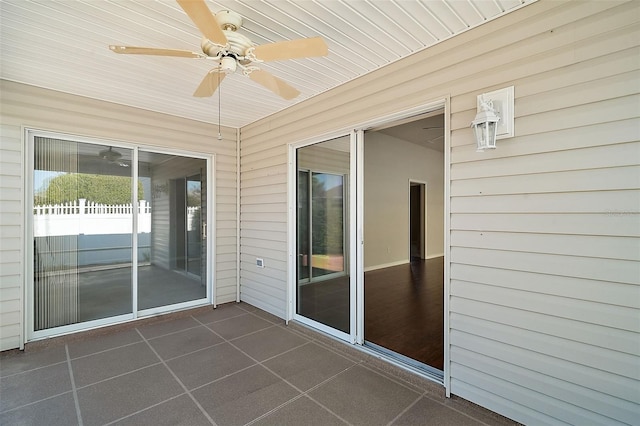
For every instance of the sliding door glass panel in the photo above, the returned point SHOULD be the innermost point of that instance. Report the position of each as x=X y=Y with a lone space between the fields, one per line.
x=82 y=230
x=172 y=250
x=322 y=244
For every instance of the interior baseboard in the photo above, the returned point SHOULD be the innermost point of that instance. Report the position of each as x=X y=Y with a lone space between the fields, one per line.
x=386 y=265
x=433 y=256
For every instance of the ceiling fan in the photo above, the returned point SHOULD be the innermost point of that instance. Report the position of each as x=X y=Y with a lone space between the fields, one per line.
x=232 y=50
x=112 y=157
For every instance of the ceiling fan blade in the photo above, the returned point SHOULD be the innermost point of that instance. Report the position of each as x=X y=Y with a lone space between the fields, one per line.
x=134 y=50
x=292 y=49
x=209 y=84
x=200 y=14
x=273 y=83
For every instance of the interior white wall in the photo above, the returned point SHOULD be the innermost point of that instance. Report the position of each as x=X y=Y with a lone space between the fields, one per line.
x=389 y=164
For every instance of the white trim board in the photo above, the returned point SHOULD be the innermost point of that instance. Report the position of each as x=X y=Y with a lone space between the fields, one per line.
x=386 y=265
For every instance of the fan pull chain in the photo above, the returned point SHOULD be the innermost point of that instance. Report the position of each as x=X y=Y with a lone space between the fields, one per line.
x=219 y=103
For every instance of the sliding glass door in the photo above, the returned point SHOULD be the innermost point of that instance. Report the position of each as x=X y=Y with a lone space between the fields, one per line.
x=118 y=232
x=323 y=283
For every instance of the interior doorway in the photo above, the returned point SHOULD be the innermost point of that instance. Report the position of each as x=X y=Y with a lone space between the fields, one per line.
x=417 y=219
x=404 y=240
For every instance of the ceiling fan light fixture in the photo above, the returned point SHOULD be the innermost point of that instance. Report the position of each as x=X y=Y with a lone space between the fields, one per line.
x=228 y=64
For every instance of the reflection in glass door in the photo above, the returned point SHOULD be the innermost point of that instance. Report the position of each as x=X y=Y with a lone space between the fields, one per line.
x=323 y=284
x=321 y=225
x=82 y=232
x=171 y=271
x=194 y=225
x=304 y=220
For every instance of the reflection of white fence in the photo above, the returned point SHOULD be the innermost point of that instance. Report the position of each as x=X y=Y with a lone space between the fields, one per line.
x=82 y=217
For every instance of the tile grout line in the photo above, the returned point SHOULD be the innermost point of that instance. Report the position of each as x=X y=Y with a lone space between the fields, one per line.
x=35 y=402
x=32 y=369
x=391 y=377
x=200 y=323
x=362 y=362
x=107 y=350
x=244 y=335
x=318 y=342
x=195 y=401
x=454 y=409
x=401 y=413
x=194 y=352
x=312 y=340
x=302 y=393
x=145 y=409
x=119 y=375
x=76 y=401
x=169 y=333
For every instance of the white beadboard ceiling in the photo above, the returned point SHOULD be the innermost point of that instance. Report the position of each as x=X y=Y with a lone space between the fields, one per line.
x=63 y=45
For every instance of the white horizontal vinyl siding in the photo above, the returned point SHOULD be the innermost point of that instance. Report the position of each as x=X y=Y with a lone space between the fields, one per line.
x=545 y=231
x=31 y=107
x=11 y=231
x=545 y=234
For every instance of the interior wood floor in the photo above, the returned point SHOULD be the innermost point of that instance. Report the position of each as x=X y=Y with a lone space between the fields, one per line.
x=404 y=310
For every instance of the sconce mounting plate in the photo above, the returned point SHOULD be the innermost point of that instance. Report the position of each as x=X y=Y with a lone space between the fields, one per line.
x=503 y=100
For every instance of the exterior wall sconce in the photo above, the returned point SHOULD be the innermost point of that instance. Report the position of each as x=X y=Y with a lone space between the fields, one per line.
x=494 y=119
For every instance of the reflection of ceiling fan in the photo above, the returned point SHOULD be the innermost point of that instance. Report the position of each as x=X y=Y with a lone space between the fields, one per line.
x=232 y=50
x=112 y=157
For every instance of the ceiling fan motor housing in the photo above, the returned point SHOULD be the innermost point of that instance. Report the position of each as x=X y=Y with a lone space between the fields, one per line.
x=238 y=45
x=229 y=20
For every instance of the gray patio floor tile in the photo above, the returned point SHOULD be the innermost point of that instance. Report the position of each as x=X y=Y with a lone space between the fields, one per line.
x=239 y=326
x=364 y=397
x=302 y=411
x=184 y=342
x=244 y=396
x=220 y=313
x=113 y=399
x=12 y=363
x=180 y=411
x=57 y=411
x=268 y=343
x=34 y=385
x=209 y=364
x=305 y=378
x=102 y=342
x=308 y=365
x=150 y=331
x=104 y=365
x=436 y=413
